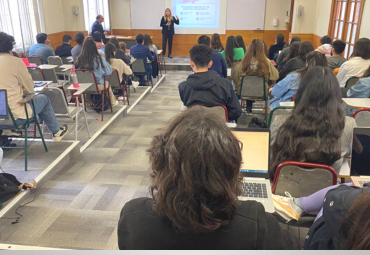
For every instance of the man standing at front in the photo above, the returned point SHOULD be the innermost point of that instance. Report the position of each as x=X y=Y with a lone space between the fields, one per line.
x=97 y=26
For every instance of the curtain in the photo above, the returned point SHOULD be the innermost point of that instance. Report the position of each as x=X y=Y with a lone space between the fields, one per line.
x=17 y=18
x=93 y=8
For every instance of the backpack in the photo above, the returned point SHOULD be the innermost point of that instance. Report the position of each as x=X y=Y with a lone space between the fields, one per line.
x=11 y=187
x=257 y=123
x=98 y=98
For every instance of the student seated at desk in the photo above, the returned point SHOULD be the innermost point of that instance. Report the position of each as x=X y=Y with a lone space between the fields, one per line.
x=277 y=47
x=286 y=89
x=360 y=90
x=285 y=52
x=140 y=51
x=196 y=182
x=204 y=87
x=216 y=43
x=292 y=53
x=232 y=53
x=97 y=36
x=326 y=46
x=153 y=49
x=76 y=51
x=318 y=130
x=16 y=79
x=66 y=49
x=42 y=49
x=120 y=53
x=336 y=60
x=343 y=220
x=90 y=59
x=218 y=62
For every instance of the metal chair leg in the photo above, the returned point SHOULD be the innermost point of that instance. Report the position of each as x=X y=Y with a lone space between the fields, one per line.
x=25 y=150
x=76 y=127
x=87 y=124
x=41 y=135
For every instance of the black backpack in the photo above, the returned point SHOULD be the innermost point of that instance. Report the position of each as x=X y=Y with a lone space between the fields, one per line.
x=10 y=187
x=257 y=123
x=98 y=98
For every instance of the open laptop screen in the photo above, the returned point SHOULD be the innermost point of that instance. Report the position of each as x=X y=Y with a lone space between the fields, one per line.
x=255 y=152
x=360 y=160
x=3 y=108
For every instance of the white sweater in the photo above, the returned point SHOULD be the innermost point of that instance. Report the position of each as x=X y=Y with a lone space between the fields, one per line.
x=354 y=67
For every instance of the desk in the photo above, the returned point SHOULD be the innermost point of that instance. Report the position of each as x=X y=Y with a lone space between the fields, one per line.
x=357 y=102
x=66 y=68
x=80 y=90
x=159 y=52
x=161 y=61
x=129 y=40
x=287 y=104
x=48 y=67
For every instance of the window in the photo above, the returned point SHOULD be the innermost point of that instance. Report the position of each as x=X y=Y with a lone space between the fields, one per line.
x=17 y=18
x=93 y=8
x=346 y=21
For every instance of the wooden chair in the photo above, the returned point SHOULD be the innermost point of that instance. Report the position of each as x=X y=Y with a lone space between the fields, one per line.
x=362 y=117
x=87 y=76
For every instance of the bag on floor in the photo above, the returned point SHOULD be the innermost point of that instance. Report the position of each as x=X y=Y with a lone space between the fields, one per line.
x=11 y=187
x=98 y=98
x=257 y=123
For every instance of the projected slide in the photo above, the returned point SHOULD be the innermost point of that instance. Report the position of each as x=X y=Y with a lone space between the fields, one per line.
x=197 y=13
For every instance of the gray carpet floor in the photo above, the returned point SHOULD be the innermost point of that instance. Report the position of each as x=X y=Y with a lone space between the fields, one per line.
x=79 y=207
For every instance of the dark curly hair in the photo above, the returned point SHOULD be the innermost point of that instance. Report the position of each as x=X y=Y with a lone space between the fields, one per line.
x=7 y=42
x=201 y=55
x=196 y=172
x=313 y=132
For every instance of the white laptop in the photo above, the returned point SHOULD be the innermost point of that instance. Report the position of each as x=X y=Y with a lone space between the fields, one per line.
x=255 y=165
x=360 y=158
x=4 y=115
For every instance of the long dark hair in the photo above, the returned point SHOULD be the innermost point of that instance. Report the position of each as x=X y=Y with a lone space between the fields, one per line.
x=293 y=51
x=240 y=42
x=147 y=40
x=196 y=172
x=362 y=48
x=313 y=59
x=109 y=52
x=305 y=48
x=229 y=50
x=115 y=42
x=89 y=56
x=355 y=228
x=313 y=132
x=216 y=42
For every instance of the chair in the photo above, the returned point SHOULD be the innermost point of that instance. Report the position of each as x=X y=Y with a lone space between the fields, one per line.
x=11 y=124
x=56 y=60
x=162 y=62
x=349 y=84
x=254 y=88
x=36 y=73
x=61 y=108
x=66 y=61
x=87 y=76
x=116 y=84
x=35 y=60
x=220 y=110
x=302 y=179
x=362 y=117
x=279 y=111
x=139 y=68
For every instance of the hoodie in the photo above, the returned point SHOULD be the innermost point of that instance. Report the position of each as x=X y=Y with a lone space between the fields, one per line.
x=325 y=49
x=210 y=90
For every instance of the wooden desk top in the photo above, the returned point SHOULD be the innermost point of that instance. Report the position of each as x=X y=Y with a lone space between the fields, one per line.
x=357 y=102
x=121 y=37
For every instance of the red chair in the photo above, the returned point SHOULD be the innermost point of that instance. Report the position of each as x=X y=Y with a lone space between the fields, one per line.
x=302 y=179
x=87 y=76
x=362 y=117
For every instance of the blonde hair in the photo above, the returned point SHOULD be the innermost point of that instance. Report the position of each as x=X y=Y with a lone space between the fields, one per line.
x=122 y=45
x=165 y=16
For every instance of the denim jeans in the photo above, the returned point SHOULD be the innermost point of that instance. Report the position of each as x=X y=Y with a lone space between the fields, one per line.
x=149 y=71
x=45 y=112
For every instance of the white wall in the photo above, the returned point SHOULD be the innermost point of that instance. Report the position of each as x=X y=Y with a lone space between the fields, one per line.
x=120 y=13
x=323 y=11
x=365 y=30
x=276 y=9
x=305 y=24
x=53 y=16
x=73 y=22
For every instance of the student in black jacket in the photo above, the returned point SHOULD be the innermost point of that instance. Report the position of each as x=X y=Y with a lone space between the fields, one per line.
x=66 y=49
x=278 y=46
x=196 y=182
x=204 y=87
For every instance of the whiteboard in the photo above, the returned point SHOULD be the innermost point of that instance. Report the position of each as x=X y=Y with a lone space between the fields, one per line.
x=246 y=14
x=146 y=14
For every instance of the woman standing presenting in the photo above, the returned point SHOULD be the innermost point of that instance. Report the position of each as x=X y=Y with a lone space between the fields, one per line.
x=168 y=30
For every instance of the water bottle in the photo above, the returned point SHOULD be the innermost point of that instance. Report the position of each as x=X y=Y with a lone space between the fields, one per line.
x=74 y=78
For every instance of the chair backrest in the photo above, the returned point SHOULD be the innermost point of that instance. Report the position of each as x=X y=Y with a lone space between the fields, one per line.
x=50 y=75
x=302 y=179
x=253 y=87
x=362 y=117
x=57 y=100
x=55 y=60
x=351 y=82
x=114 y=80
x=66 y=61
x=87 y=76
x=35 y=60
x=36 y=73
x=138 y=67
x=284 y=112
x=220 y=110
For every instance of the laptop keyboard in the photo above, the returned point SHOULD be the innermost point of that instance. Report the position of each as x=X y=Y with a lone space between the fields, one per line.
x=254 y=190
x=363 y=182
